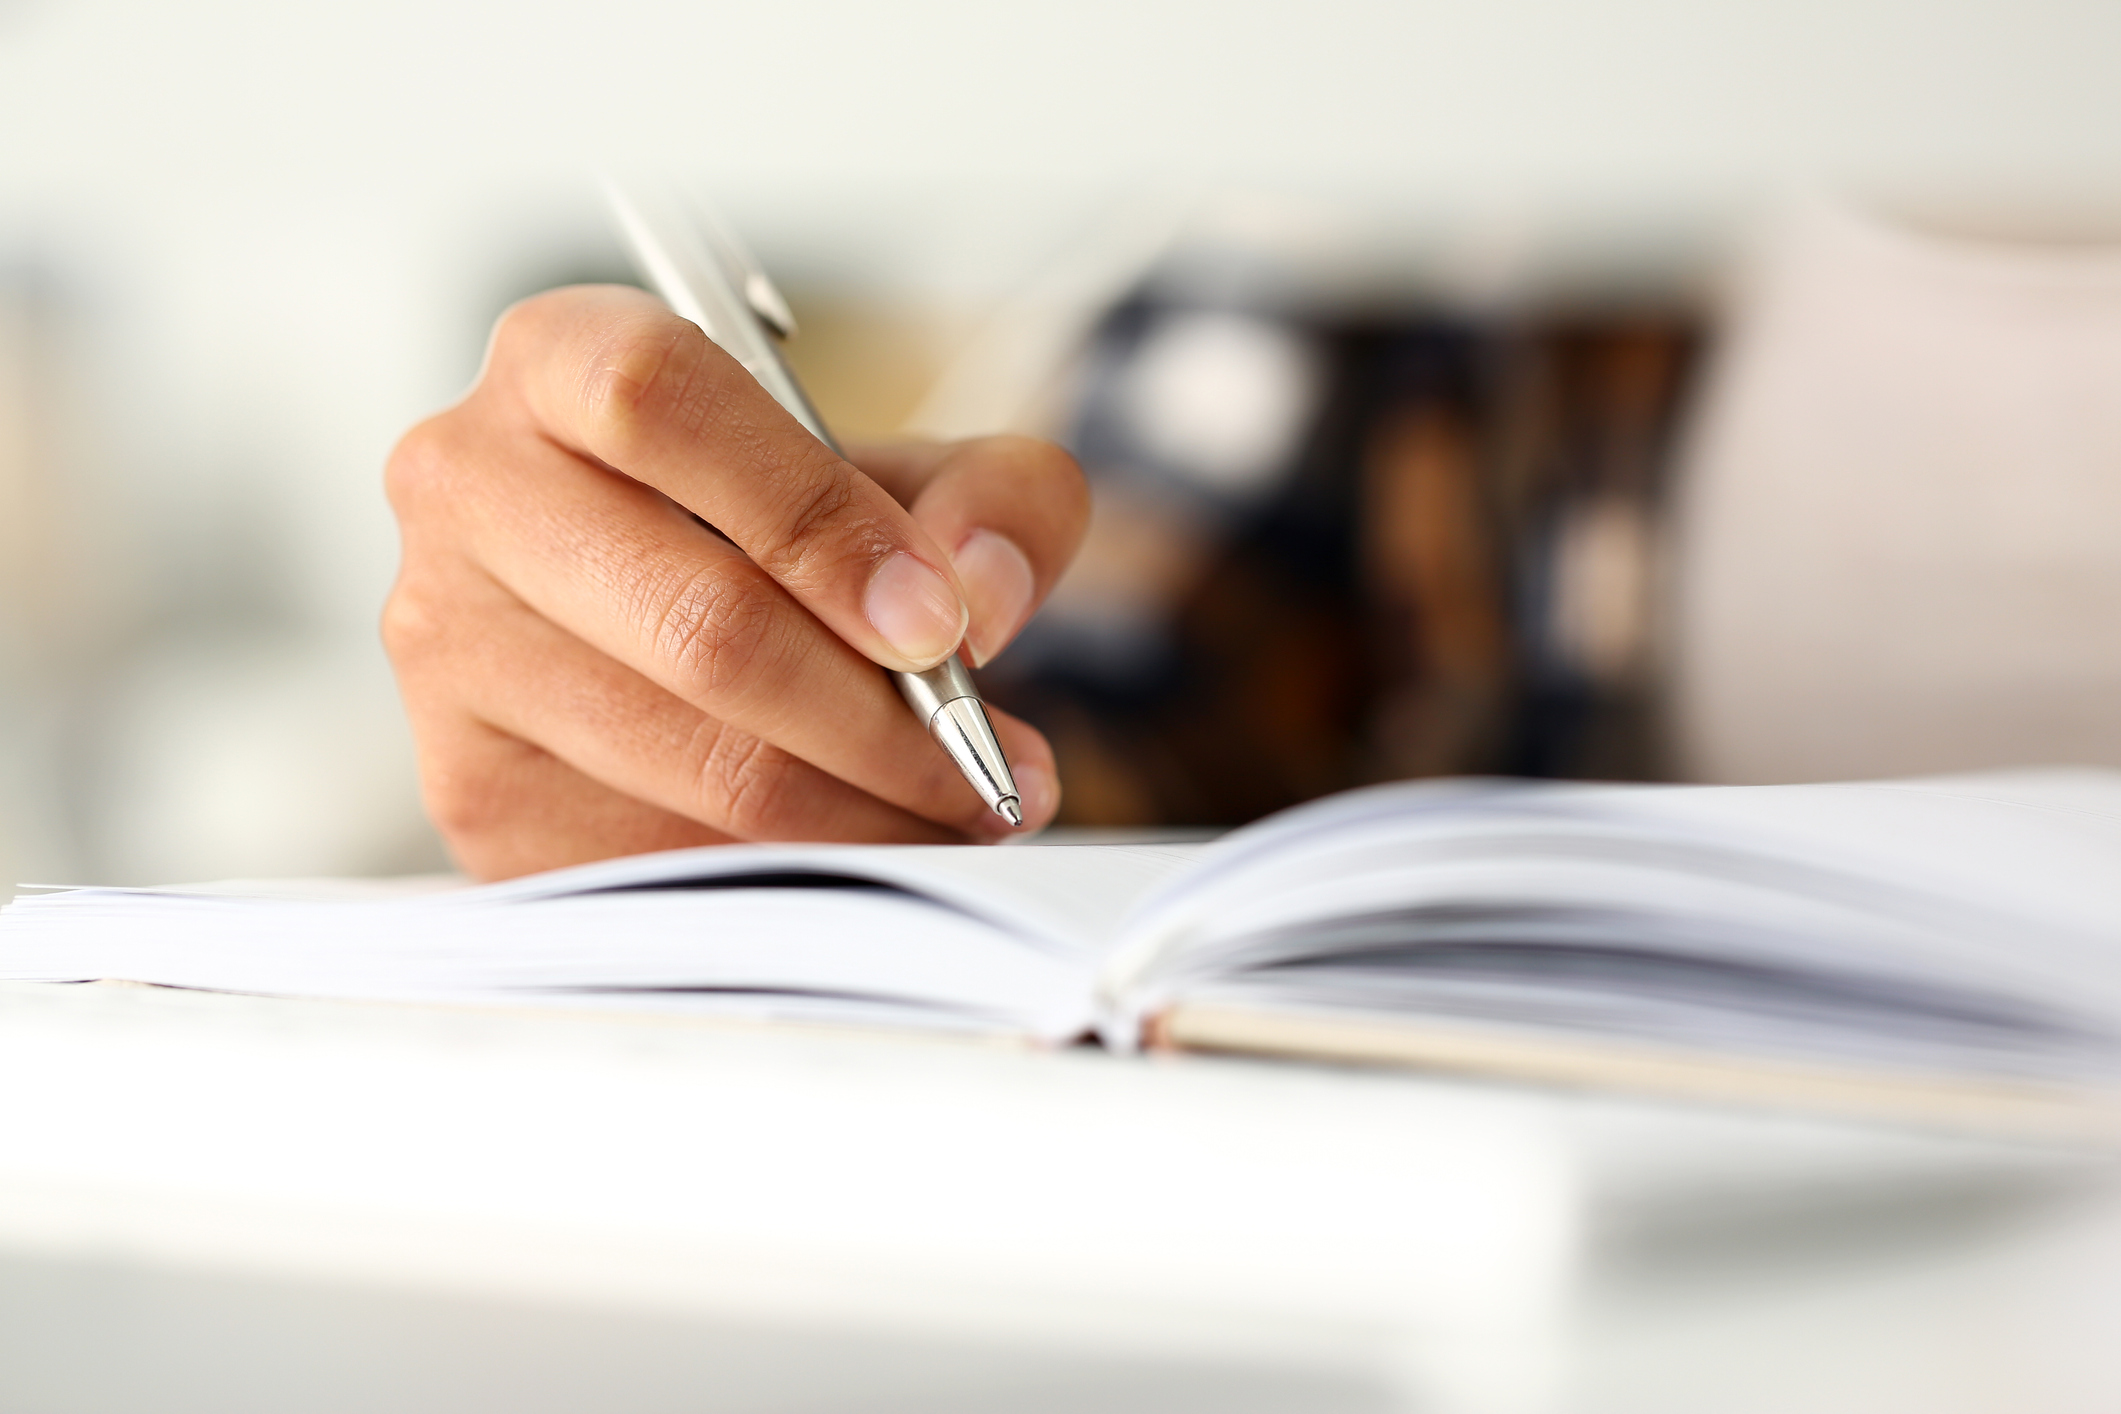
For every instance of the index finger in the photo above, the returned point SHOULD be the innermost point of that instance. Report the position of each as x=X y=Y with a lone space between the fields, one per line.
x=610 y=373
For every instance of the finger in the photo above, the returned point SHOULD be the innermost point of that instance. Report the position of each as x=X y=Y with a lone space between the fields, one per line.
x=506 y=807
x=1011 y=511
x=612 y=374
x=521 y=675
x=620 y=568
x=902 y=468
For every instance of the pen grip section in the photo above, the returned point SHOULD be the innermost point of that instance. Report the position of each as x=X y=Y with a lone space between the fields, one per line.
x=927 y=692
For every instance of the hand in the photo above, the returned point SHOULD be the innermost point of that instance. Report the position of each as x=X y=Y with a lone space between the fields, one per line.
x=591 y=671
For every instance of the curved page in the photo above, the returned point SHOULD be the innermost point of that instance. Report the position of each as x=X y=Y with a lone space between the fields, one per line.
x=990 y=939
x=1953 y=923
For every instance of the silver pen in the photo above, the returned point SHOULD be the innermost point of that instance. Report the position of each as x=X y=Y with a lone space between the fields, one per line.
x=705 y=276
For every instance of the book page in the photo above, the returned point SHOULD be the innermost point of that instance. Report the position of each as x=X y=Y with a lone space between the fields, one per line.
x=1926 y=920
x=1068 y=897
x=963 y=937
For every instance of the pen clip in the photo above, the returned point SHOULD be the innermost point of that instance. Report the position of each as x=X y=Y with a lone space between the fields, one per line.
x=706 y=276
x=747 y=275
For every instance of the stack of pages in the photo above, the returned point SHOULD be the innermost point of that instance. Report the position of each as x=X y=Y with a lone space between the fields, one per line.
x=1946 y=948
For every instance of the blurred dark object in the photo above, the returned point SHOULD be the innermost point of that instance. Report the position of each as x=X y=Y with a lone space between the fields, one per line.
x=1334 y=551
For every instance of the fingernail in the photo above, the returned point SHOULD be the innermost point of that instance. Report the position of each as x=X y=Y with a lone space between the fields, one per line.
x=915 y=609
x=1037 y=793
x=998 y=588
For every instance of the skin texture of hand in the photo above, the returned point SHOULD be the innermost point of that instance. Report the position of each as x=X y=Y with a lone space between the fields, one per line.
x=591 y=671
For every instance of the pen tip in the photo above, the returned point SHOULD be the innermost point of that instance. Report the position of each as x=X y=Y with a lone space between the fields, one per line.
x=1008 y=808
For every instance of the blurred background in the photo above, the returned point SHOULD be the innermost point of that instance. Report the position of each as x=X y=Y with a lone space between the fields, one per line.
x=1617 y=388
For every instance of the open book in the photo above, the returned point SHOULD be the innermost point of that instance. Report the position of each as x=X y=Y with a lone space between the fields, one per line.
x=1948 y=948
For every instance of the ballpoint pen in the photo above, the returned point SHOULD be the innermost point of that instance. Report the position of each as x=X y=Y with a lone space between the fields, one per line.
x=705 y=276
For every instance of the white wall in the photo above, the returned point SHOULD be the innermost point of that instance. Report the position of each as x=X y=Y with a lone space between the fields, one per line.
x=278 y=227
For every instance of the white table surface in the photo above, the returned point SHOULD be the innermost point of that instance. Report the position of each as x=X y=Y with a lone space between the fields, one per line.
x=228 y=1203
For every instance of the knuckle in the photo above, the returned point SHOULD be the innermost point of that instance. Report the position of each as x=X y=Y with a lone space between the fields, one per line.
x=532 y=321
x=465 y=806
x=527 y=331
x=651 y=373
x=412 y=627
x=819 y=520
x=713 y=632
x=523 y=322
x=422 y=464
x=743 y=777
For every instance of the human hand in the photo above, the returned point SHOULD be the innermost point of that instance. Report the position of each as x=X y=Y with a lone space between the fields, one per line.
x=590 y=671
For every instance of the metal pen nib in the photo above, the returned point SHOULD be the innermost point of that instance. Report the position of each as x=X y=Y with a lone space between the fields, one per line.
x=946 y=700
